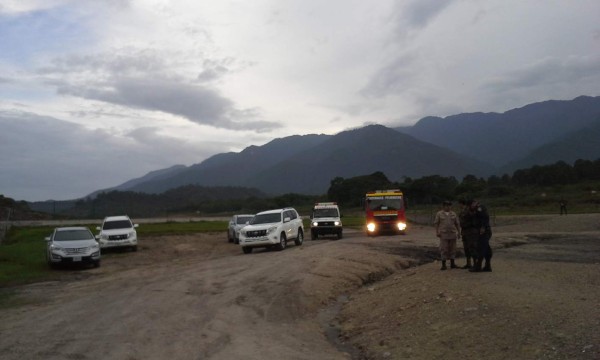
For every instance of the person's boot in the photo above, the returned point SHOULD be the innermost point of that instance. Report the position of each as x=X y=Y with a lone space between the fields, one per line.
x=453 y=264
x=477 y=266
x=488 y=265
x=468 y=265
x=443 y=265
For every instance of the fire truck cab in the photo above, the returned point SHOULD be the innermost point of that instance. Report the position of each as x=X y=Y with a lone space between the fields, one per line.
x=384 y=211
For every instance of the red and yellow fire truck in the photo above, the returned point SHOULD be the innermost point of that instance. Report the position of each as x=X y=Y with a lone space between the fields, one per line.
x=384 y=210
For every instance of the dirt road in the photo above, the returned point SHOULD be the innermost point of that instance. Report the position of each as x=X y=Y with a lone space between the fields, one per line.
x=199 y=297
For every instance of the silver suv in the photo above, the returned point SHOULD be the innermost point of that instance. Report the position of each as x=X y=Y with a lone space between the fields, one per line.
x=74 y=245
x=117 y=231
x=272 y=228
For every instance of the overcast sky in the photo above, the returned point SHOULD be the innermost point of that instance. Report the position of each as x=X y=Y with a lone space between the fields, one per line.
x=94 y=93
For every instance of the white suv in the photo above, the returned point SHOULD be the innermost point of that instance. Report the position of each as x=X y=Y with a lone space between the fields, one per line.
x=272 y=228
x=117 y=231
x=325 y=219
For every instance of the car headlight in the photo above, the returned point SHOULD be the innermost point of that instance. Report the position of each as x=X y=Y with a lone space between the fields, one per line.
x=104 y=237
x=131 y=234
x=271 y=229
x=401 y=226
x=371 y=227
x=337 y=223
x=56 y=248
x=315 y=223
x=95 y=247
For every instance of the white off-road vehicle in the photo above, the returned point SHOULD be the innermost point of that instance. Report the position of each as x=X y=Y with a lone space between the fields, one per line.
x=117 y=231
x=325 y=220
x=272 y=228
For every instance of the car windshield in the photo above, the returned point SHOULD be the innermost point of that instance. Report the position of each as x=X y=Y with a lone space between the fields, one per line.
x=327 y=212
x=266 y=218
x=118 y=224
x=385 y=203
x=243 y=219
x=72 y=235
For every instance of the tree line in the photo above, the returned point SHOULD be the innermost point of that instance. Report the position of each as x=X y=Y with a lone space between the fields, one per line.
x=435 y=188
x=195 y=199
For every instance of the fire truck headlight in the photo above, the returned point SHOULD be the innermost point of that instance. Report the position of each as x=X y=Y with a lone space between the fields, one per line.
x=371 y=227
x=401 y=226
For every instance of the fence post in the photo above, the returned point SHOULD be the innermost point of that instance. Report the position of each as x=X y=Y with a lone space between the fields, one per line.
x=5 y=226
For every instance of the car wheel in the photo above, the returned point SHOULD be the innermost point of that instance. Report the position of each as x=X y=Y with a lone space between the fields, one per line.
x=339 y=234
x=134 y=248
x=300 y=238
x=282 y=242
x=247 y=249
x=236 y=241
x=313 y=235
x=97 y=263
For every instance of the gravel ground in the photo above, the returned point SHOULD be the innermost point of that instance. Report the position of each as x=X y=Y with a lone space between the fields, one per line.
x=199 y=297
x=542 y=300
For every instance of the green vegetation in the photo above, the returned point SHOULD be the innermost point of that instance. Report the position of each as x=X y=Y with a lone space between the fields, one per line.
x=22 y=257
x=22 y=253
x=537 y=190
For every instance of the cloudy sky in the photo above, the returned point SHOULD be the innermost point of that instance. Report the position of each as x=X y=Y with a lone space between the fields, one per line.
x=96 y=92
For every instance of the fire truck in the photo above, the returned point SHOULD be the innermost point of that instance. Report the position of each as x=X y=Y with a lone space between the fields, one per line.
x=384 y=210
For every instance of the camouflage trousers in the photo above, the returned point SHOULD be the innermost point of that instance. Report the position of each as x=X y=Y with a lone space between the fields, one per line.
x=470 y=237
x=448 y=248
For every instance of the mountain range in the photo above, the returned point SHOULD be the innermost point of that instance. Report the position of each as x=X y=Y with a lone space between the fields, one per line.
x=480 y=144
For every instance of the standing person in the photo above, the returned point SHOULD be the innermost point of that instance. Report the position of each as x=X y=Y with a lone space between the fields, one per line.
x=481 y=220
x=447 y=228
x=563 y=207
x=469 y=231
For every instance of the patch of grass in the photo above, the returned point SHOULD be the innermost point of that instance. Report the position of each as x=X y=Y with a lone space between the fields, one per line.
x=354 y=221
x=22 y=256
x=23 y=252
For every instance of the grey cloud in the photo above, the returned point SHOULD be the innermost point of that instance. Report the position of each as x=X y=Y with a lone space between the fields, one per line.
x=394 y=78
x=4 y=80
x=215 y=69
x=196 y=103
x=418 y=13
x=141 y=79
x=547 y=72
x=47 y=158
x=199 y=104
x=124 y=61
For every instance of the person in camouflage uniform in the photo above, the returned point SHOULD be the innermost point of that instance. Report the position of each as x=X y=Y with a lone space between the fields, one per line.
x=470 y=232
x=447 y=228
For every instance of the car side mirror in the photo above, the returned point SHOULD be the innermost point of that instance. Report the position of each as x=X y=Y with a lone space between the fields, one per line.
x=98 y=228
x=287 y=219
x=47 y=238
x=97 y=237
x=135 y=225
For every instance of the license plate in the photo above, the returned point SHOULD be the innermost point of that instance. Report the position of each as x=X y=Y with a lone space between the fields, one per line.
x=76 y=258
